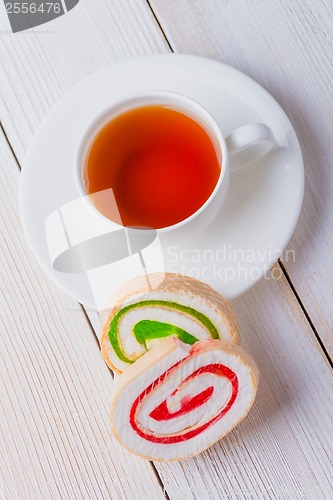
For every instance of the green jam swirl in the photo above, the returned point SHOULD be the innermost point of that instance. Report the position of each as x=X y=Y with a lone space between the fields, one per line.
x=147 y=329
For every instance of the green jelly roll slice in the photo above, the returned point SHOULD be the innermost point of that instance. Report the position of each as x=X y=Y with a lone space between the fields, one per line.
x=151 y=308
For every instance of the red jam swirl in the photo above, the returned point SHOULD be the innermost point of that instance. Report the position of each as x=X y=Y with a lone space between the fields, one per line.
x=188 y=404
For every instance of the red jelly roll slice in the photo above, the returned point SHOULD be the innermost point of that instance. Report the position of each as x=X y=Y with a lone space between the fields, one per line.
x=177 y=399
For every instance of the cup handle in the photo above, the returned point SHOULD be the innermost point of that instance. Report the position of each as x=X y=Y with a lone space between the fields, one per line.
x=249 y=143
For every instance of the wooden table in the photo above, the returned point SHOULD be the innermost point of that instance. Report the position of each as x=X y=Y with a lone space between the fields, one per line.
x=55 y=387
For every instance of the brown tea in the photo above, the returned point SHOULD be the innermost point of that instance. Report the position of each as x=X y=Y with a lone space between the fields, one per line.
x=161 y=164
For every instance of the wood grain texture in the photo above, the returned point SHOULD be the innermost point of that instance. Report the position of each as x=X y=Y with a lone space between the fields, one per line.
x=287 y=47
x=281 y=450
x=37 y=68
x=55 y=389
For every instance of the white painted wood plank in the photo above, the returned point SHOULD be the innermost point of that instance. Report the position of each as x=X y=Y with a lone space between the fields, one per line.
x=37 y=67
x=252 y=456
x=55 y=389
x=287 y=47
x=283 y=449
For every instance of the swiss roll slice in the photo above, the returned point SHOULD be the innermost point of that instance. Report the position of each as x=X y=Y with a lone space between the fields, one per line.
x=178 y=399
x=170 y=305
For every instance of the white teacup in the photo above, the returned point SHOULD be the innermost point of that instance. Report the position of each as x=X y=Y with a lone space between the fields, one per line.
x=240 y=148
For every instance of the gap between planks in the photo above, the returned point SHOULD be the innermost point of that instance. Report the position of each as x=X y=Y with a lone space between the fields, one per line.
x=306 y=314
x=160 y=27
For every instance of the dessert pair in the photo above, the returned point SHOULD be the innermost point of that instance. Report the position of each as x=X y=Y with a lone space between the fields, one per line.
x=184 y=381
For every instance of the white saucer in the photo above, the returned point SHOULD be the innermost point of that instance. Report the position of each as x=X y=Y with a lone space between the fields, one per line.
x=264 y=200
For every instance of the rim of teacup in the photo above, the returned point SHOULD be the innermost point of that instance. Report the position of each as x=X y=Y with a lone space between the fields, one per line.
x=178 y=101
